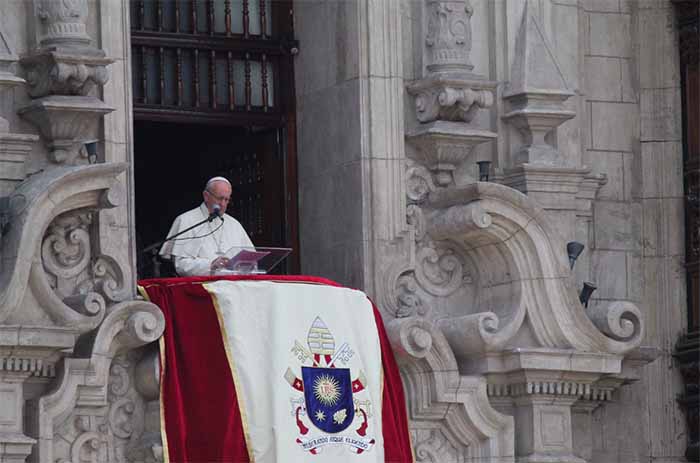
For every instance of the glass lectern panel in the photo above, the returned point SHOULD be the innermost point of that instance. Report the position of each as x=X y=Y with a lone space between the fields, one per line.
x=248 y=260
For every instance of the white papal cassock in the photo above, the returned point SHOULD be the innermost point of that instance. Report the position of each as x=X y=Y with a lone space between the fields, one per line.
x=192 y=252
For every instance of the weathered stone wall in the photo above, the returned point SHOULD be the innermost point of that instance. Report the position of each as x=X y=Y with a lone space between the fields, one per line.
x=331 y=152
x=633 y=101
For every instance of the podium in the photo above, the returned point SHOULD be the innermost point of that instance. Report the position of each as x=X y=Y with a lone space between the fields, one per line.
x=245 y=260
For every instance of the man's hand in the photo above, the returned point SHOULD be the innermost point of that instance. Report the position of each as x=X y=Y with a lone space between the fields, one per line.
x=218 y=263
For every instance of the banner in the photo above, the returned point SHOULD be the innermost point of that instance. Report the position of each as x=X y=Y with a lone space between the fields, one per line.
x=272 y=369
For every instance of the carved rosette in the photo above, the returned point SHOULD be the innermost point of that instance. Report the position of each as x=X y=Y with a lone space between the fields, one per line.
x=449 y=37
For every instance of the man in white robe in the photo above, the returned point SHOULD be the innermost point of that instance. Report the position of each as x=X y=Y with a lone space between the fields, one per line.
x=201 y=250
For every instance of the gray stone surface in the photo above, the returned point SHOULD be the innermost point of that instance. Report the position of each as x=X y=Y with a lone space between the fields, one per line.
x=618 y=226
x=614 y=126
x=610 y=35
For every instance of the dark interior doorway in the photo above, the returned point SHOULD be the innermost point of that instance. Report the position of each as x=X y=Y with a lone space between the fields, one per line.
x=173 y=161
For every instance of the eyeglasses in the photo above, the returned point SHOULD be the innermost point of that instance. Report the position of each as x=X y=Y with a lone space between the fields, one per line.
x=223 y=199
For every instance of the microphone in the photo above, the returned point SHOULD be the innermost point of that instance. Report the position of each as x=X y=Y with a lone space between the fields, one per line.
x=216 y=212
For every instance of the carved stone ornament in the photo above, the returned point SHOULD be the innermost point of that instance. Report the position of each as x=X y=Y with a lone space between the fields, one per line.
x=62 y=22
x=409 y=301
x=65 y=63
x=450 y=98
x=65 y=124
x=449 y=37
x=59 y=72
x=85 y=281
x=488 y=274
x=441 y=146
x=95 y=412
x=51 y=212
x=450 y=413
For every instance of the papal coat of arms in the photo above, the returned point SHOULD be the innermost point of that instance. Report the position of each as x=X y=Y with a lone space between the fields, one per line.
x=329 y=398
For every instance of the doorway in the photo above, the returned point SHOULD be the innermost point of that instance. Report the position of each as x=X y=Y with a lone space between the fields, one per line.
x=173 y=161
x=213 y=94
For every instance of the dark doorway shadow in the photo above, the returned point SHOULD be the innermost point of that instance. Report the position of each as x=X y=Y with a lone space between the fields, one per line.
x=172 y=162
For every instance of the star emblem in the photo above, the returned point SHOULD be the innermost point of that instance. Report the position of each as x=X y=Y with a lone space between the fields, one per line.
x=320 y=416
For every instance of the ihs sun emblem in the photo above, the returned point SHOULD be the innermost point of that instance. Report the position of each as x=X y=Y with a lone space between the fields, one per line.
x=327 y=390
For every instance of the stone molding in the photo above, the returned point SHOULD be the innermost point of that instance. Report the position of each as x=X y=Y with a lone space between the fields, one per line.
x=93 y=380
x=556 y=188
x=442 y=400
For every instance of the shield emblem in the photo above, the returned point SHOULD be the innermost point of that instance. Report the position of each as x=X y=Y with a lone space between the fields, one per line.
x=328 y=395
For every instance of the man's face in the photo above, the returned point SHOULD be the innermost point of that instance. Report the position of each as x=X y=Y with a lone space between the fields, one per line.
x=218 y=193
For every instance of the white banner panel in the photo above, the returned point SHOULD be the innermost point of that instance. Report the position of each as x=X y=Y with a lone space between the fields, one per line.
x=306 y=361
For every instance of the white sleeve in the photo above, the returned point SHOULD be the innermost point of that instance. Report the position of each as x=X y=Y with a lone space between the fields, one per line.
x=192 y=266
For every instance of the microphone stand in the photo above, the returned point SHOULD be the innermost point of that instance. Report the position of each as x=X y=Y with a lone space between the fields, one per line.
x=153 y=248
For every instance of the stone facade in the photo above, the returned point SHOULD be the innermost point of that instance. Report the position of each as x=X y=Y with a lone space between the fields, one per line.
x=575 y=104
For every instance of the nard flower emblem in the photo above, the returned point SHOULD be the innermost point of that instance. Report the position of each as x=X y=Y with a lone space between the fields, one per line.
x=340 y=416
x=327 y=390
